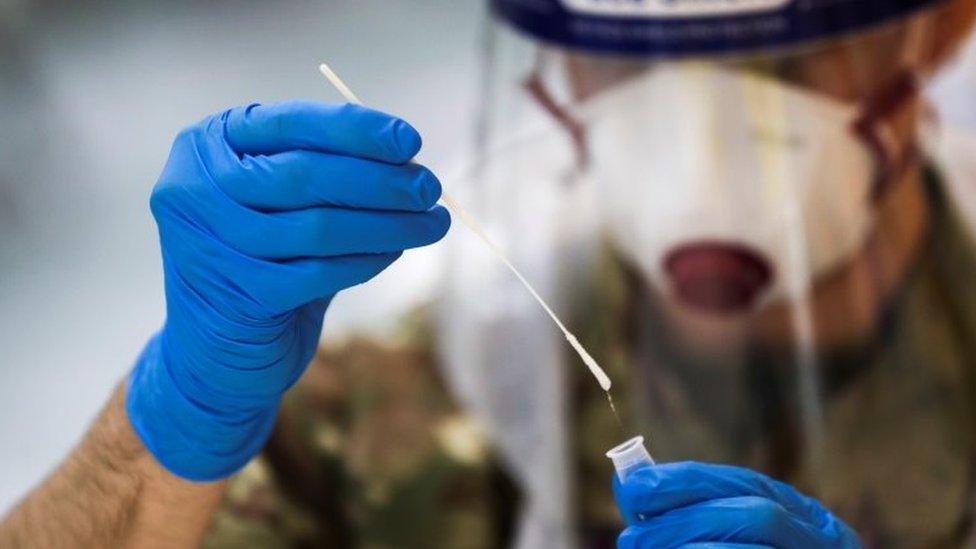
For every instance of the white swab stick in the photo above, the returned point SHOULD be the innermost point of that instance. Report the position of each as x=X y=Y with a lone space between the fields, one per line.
x=472 y=223
x=339 y=85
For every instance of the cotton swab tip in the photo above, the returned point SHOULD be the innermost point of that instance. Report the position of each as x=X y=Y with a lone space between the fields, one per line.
x=601 y=377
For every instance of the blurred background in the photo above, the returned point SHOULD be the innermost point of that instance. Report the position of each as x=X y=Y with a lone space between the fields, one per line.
x=91 y=94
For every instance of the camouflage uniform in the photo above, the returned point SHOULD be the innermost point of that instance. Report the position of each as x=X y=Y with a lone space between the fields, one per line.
x=371 y=451
x=899 y=450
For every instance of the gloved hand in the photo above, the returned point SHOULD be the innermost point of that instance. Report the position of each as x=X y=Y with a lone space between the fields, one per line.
x=264 y=214
x=691 y=504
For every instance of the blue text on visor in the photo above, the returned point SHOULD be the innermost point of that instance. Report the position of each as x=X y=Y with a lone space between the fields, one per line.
x=675 y=28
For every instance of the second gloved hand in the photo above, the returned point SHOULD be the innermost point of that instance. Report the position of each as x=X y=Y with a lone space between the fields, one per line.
x=691 y=504
x=264 y=214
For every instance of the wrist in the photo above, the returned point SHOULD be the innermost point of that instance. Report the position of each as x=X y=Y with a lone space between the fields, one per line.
x=196 y=439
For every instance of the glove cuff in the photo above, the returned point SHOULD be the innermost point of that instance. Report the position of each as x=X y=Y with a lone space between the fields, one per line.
x=190 y=439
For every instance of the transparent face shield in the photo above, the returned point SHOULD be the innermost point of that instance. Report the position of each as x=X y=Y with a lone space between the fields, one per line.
x=732 y=236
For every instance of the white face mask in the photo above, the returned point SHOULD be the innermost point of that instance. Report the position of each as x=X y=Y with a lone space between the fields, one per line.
x=722 y=178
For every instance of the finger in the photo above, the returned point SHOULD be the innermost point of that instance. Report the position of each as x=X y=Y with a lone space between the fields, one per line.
x=247 y=287
x=314 y=232
x=304 y=179
x=748 y=519
x=654 y=490
x=311 y=279
x=343 y=129
x=326 y=232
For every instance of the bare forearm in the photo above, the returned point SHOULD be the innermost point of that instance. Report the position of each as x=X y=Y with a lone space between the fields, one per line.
x=111 y=492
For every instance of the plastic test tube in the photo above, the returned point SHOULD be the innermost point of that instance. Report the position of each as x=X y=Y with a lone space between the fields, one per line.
x=629 y=456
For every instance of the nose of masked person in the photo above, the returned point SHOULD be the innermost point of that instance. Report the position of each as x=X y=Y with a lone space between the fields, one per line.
x=728 y=190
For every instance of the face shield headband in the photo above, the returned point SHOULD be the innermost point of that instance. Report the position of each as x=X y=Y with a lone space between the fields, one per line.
x=681 y=28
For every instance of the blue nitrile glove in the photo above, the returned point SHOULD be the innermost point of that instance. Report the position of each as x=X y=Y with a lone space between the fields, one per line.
x=692 y=504
x=264 y=213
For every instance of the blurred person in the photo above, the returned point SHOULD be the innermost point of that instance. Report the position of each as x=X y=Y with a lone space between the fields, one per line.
x=740 y=207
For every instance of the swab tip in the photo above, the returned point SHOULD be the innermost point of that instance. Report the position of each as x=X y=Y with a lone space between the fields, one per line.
x=601 y=376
